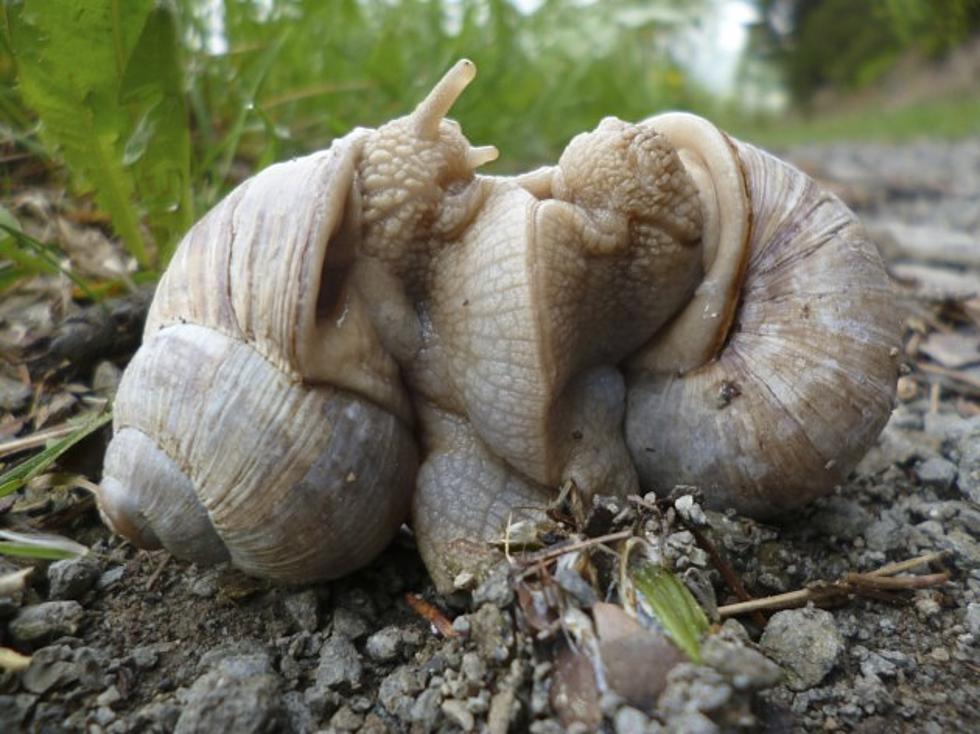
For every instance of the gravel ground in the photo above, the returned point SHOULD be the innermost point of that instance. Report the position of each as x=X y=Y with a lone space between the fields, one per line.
x=130 y=641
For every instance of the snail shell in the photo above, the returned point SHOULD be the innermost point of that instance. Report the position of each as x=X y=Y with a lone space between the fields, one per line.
x=375 y=326
x=769 y=387
x=236 y=437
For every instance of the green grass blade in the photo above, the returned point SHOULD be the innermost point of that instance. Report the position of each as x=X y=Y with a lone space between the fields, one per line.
x=46 y=546
x=31 y=550
x=218 y=164
x=16 y=477
x=158 y=148
x=44 y=257
x=669 y=601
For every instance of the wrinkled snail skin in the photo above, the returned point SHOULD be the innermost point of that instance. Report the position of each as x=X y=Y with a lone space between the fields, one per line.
x=374 y=331
x=805 y=378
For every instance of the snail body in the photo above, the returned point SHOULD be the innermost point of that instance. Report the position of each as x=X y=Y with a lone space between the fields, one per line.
x=375 y=330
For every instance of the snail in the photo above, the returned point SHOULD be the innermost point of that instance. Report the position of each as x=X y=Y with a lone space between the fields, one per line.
x=375 y=330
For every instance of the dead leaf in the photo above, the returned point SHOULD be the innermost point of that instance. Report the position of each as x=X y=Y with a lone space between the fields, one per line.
x=953 y=349
x=635 y=660
x=936 y=283
x=574 y=691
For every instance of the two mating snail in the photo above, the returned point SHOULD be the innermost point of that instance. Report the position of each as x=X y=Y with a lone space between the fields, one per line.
x=374 y=332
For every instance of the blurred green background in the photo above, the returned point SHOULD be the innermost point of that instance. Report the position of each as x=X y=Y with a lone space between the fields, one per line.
x=156 y=108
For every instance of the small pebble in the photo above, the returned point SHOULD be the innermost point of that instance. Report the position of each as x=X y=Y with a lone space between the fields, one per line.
x=806 y=642
x=384 y=644
x=303 y=609
x=936 y=472
x=72 y=578
x=458 y=714
x=46 y=620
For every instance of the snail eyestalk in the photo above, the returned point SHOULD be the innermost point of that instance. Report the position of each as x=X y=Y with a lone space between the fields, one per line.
x=481 y=155
x=443 y=96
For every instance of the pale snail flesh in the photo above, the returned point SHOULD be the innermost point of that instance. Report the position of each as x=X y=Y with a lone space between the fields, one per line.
x=374 y=326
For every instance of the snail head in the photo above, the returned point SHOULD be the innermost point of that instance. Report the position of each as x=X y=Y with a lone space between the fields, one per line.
x=417 y=172
x=629 y=170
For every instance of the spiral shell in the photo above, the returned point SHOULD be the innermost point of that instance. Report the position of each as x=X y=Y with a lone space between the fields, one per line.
x=238 y=435
x=803 y=379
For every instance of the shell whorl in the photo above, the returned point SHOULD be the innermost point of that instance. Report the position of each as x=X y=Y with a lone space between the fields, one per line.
x=272 y=463
x=262 y=413
x=806 y=378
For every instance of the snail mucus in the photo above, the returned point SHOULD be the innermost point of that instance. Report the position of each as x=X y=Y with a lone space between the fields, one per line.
x=375 y=333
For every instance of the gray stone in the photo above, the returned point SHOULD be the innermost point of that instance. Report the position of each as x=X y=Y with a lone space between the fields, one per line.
x=936 y=472
x=969 y=518
x=157 y=716
x=103 y=716
x=240 y=658
x=340 y=665
x=14 y=709
x=841 y=517
x=110 y=578
x=692 y=722
x=51 y=717
x=629 y=720
x=299 y=718
x=895 y=446
x=889 y=532
x=492 y=631
x=50 y=667
x=947 y=426
x=144 y=657
x=59 y=666
x=806 y=642
x=458 y=714
x=205 y=586
x=474 y=669
x=46 y=620
x=106 y=377
x=14 y=394
x=969 y=471
x=303 y=608
x=581 y=590
x=108 y=697
x=879 y=666
x=398 y=690
x=384 y=644
x=744 y=666
x=221 y=702
x=344 y=719
x=426 y=709
x=973 y=618
x=72 y=577
x=693 y=688
x=349 y=624
x=496 y=588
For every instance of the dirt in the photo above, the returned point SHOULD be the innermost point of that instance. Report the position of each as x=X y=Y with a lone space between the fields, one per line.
x=157 y=645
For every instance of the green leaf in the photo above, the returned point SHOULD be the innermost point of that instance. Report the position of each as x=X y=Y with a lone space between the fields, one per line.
x=106 y=79
x=16 y=477
x=664 y=597
x=69 y=74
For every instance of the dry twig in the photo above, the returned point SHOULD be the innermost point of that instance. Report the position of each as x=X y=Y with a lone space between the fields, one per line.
x=875 y=584
x=431 y=614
